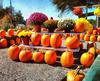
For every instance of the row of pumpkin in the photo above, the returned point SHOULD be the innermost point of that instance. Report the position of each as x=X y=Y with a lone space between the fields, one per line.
x=23 y=54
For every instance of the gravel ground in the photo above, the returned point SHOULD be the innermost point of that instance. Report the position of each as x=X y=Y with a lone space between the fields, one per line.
x=17 y=71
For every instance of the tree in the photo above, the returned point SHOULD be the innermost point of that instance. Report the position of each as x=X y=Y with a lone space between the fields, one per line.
x=18 y=18
x=64 y=5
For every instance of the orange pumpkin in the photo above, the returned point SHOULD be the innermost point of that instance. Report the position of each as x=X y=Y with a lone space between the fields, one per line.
x=98 y=38
x=18 y=40
x=13 y=52
x=56 y=40
x=2 y=33
x=93 y=50
x=37 y=56
x=67 y=59
x=86 y=37
x=81 y=36
x=87 y=59
x=89 y=32
x=10 y=32
x=73 y=75
x=12 y=42
x=3 y=43
x=95 y=32
x=50 y=57
x=36 y=39
x=45 y=40
x=81 y=45
x=72 y=42
x=25 y=55
x=93 y=38
x=79 y=27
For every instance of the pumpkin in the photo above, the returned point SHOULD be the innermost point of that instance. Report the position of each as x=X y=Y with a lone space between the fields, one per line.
x=50 y=57
x=25 y=55
x=81 y=36
x=13 y=52
x=77 y=11
x=79 y=27
x=45 y=40
x=37 y=56
x=81 y=45
x=98 y=38
x=2 y=33
x=25 y=40
x=75 y=75
x=36 y=38
x=86 y=37
x=67 y=59
x=12 y=42
x=87 y=59
x=10 y=32
x=95 y=32
x=93 y=38
x=89 y=32
x=56 y=40
x=72 y=42
x=3 y=43
x=18 y=40
x=94 y=50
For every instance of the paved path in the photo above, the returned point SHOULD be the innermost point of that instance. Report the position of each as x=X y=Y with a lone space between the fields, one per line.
x=17 y=71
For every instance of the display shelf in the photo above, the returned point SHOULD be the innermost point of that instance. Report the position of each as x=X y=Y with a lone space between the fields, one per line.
x=51 y=48
x=58 y=33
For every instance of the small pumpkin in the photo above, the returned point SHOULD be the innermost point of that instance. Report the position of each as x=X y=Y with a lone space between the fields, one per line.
x=56 y=40
x=45 y=40
x=50 y=57
x=86 y=37
x=89 y=32
x=77 y=11
x=37 y=56
x=18 y=40
x=2 y=33
x=95 y=32
x=25 y=55
x=12 y=42
x=94 y=50
x=93 y=38
x=67 y=59
x=10 y=32
x=81 y=36
x=72 y=42
x=25 y=40
x=87 y=59
x=98 y=38
x=75 y=75
x=13 y=52
x=3 y=42
x=79 y=27
x=36 y=38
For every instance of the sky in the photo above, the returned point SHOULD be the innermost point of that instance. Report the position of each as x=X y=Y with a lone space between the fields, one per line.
x=28 y=7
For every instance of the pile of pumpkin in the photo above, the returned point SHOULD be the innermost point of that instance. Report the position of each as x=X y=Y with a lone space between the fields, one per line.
x=8 y=38
x=91 y=35
x=55 y=40
x=25 y=54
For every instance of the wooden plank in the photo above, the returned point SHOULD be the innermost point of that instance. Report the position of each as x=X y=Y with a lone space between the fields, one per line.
x=51 y=48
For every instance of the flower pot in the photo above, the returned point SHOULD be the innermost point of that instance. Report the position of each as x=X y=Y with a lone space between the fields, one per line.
x=25 y=40
x=36 y=28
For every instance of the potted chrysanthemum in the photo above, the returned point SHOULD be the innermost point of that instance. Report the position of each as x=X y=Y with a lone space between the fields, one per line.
x=36 y=20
